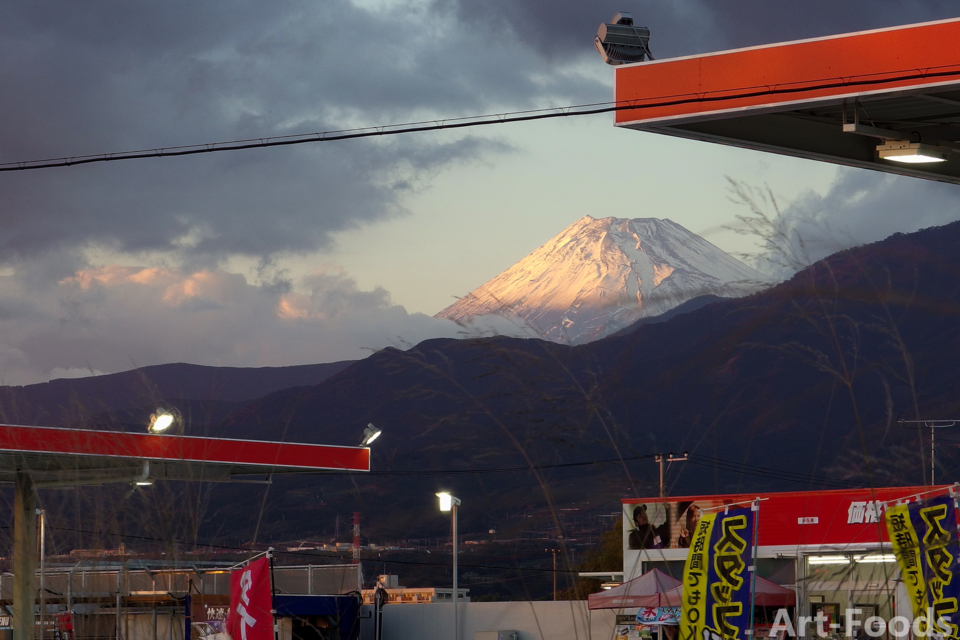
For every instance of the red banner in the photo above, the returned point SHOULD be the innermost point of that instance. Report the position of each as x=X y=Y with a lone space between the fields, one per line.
x=64 y=628
x=250 y=616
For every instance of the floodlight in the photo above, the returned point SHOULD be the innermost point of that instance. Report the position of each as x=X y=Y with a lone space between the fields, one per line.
x=144 y=483
x=910 y=152
x=160 y=421
x=370 y=434
x=620 y=42
x=447 y=501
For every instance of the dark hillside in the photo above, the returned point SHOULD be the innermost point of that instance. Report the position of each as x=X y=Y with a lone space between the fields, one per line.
x=86 y=400
x=796 y=387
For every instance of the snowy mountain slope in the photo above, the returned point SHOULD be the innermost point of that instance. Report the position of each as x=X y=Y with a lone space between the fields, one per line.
x=600 y=275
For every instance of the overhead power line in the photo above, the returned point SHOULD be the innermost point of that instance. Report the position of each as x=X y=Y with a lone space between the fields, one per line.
x=539 y=467
x=697 y=459
x=773 y=474
x=470 y=121
x=323 y=136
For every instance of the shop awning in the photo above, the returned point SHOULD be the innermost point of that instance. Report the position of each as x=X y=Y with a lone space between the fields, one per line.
x=768 y=594
x=648 y=590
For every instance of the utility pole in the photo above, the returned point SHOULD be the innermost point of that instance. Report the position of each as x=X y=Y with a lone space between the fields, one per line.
x=929 y=424
x=662 y=459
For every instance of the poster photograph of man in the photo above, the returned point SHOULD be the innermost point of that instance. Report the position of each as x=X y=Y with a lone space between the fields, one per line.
x=663 y=525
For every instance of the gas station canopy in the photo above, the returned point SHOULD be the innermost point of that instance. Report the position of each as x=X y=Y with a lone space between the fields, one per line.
x=867 y=99
x=79 y=456
x=38 y=457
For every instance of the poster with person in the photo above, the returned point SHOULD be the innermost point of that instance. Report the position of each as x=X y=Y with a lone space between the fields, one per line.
x=663 y=525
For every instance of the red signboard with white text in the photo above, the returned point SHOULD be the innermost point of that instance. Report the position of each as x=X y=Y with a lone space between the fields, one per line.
x=251 y=616
x=843 y=517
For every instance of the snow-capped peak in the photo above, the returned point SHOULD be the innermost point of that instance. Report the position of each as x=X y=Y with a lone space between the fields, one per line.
x=600 y=275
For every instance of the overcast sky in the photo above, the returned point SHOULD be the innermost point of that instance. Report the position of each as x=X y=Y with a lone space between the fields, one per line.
x=323 y=252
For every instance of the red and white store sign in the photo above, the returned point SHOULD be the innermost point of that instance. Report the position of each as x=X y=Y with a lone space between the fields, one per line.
x=847 y=516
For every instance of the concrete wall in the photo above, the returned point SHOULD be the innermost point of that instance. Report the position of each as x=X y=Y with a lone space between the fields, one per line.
x=568 y=620
x=139 y=626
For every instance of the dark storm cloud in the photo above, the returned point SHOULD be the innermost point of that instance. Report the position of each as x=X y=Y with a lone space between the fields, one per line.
x=247 y=203
x=562 y=28
x=83 y=78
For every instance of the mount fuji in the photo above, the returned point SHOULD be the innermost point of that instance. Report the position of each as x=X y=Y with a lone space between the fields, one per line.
x=600 y=275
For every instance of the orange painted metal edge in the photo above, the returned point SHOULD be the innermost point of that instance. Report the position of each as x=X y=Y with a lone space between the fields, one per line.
x=207 y=451
x=901 y=59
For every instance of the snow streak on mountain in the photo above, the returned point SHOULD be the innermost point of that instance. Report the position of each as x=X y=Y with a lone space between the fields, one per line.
x=600 y=275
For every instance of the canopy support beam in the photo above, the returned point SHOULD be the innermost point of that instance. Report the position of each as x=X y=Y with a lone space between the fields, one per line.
x=24 y=556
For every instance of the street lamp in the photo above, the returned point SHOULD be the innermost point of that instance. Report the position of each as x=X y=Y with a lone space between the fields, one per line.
x=450 y=503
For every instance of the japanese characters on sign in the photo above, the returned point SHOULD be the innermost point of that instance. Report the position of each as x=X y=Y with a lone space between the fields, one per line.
x=924 y=538
x=658 y=615
x=865 y=512
x=716 y=577
x=64 y=626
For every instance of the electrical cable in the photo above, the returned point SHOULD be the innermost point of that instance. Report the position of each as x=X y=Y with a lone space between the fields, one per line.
x=539 y=467
x=747 y=470
x=698 y=459
x=471 y=121
x=765 y=472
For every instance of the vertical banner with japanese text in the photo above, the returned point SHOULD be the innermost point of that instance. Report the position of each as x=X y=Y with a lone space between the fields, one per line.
x=924 y=539
x=250 y=616
x=716 y=577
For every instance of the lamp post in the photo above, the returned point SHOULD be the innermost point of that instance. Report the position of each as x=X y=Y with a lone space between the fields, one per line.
x=449 y=503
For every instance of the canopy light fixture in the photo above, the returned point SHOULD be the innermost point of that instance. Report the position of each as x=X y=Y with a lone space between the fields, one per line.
x=620 y=42
x=882 y=558
x=828 y=560
x=911 y=152
x=370 y=434
x=859 y=559
x=161 y=420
